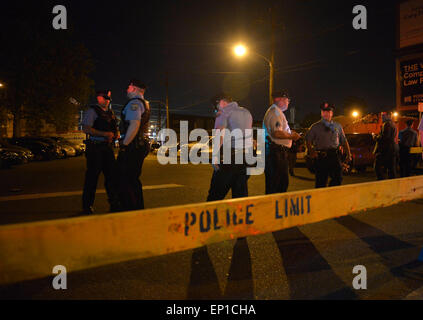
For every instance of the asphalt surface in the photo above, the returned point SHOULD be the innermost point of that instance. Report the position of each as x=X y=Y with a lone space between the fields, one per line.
x=52 y=190
x=311 y=262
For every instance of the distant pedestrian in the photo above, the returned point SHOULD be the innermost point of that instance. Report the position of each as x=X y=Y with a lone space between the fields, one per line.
x=232 y=176
x=100 y=125
x=134 y=146
x=407 y=140
x=386 y=150
x=324 y=141
x=279 y=139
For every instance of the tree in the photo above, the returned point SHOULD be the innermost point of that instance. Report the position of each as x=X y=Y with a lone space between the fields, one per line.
x=43 y=68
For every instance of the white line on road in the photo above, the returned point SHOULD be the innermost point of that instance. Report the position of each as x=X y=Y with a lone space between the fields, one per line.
x=75 y=193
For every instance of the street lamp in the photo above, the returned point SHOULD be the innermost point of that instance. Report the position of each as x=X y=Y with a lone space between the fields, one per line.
x=355 y=114
x=240 y=51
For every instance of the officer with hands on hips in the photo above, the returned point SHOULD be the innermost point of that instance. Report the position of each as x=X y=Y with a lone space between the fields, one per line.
x=134 y=146
x=324 y=141
x=100 y=125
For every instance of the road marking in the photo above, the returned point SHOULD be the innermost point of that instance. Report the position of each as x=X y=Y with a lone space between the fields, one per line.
x=75 y=193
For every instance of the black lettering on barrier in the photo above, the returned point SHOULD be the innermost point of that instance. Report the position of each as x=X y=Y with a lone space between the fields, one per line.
x=293 y=207
x=205 y=219
x=206 y=229
x=216 y=220
x=189 y=223
x=248 y=215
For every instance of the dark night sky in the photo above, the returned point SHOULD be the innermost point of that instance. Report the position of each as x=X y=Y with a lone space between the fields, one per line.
x=319 y=55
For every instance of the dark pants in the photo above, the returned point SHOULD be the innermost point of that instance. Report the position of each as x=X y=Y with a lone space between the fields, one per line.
x=226 y=178
x=130 y=164
x=292 y=158
x=276 y=171
x=328 y=165
x=385 y=162
x=100 y=158
x=406 y=160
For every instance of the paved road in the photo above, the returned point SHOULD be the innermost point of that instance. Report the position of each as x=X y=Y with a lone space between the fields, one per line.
x=310 y=262
x=52 y=190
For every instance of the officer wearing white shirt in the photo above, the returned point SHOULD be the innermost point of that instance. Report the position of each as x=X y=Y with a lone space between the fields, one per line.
x=279 y=139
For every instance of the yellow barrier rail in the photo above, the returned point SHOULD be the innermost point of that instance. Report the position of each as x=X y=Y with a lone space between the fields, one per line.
x=30 y=251
x=416 y=150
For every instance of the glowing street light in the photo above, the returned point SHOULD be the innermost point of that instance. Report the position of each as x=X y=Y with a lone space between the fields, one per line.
x=395 y=114
x=355 y=114
x=1 y=85
x=240 y=51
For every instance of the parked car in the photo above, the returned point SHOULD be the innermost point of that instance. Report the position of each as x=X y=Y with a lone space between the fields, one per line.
x=362 y=146
x=24 y=153
x=8 y=158
x=63 y=151
x=41 y=151
x=79 y=148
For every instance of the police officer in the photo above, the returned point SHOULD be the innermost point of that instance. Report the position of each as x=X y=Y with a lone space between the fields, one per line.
x=100 y=125
x=279 y=139
x=408 y=139
x=134 y=146
x=324 y=140
x=230 y=176
x=386 y=149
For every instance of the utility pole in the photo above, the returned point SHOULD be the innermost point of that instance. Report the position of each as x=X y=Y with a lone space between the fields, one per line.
x=167 y=101
x=272 y=56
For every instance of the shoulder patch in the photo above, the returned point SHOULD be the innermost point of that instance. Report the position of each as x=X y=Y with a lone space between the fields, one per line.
x=134 y=106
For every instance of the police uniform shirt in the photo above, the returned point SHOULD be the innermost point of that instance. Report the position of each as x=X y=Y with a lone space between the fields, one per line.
x=133 y=110
x=324 y=135
x=274 y=121
x=235 y=117
x=408 y=137
x=90 y=116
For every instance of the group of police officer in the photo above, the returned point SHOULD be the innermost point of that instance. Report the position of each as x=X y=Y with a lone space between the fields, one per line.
x=325 y=140
x=122 y=177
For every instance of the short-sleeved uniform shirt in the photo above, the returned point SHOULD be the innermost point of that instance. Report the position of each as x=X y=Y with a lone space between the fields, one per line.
x=90 y=116
x=275 y=120
x=235 y=117
x=408 y=137
x=324 y=135
x=133 y=110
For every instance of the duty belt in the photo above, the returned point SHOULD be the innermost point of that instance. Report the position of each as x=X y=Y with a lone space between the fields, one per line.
x=278 y=147
x=326 y=152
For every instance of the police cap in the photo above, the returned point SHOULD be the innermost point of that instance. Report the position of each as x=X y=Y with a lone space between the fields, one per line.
x=280 y=94
x=137 y=83
x=106 y=94
x=326 y=106
x=221 y=96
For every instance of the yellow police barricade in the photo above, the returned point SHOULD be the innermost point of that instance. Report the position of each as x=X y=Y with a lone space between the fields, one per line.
x=416 y=150
x=30 y=251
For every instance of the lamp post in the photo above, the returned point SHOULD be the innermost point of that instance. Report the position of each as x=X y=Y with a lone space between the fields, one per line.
x=241 y=51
